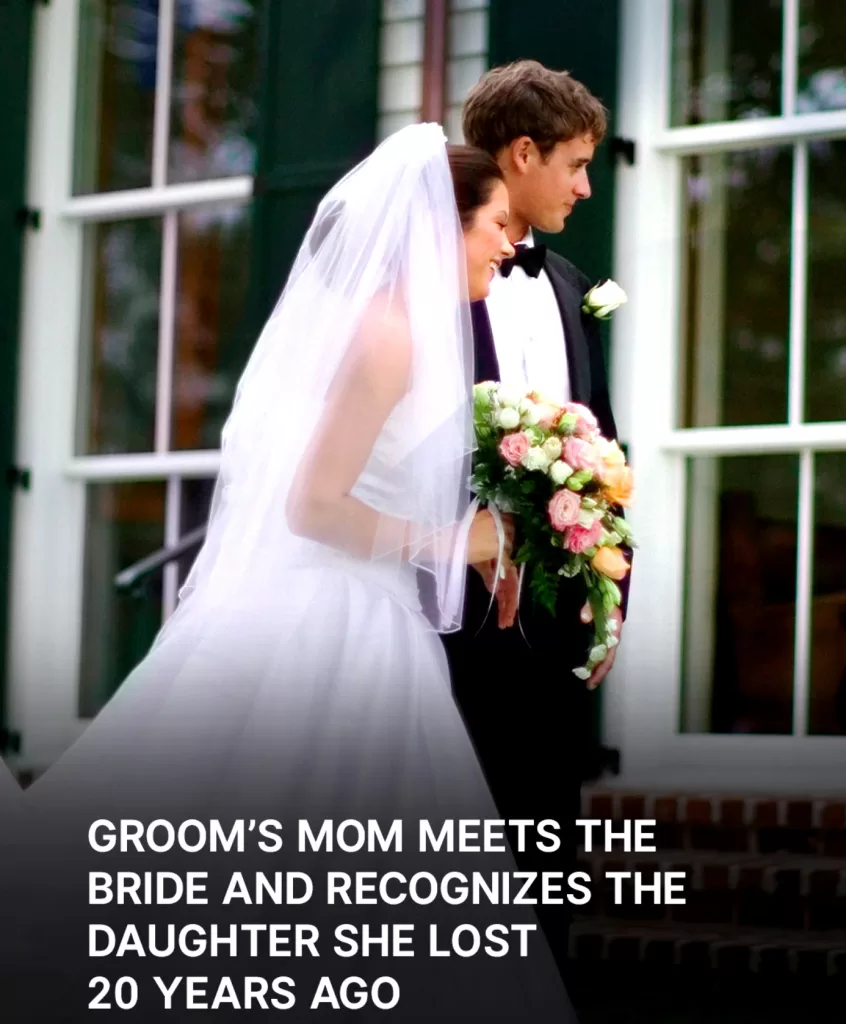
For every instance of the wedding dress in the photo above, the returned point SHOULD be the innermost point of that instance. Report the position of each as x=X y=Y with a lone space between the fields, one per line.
x=301 y=679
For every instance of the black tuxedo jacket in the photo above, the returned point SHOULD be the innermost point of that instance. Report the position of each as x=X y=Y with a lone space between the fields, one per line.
x=588 y=379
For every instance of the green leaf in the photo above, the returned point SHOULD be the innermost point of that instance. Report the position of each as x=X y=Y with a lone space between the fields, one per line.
x=524 y=552
x=570 y=570
x=544 y=587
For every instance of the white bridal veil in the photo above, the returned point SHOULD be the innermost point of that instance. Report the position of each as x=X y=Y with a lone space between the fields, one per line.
x=379 y=281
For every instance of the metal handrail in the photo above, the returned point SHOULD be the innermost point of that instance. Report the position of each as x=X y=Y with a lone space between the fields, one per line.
x=140 y=570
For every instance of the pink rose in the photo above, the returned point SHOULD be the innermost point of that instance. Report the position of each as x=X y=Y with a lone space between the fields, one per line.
x=579 y=538
x=580 y=454
x=513 y=447
x=564 y=508
x=586 y=423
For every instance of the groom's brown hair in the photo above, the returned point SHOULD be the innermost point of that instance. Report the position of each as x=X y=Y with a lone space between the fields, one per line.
x=526 y=98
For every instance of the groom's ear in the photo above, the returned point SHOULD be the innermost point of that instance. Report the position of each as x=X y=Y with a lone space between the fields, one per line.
x=520 y=152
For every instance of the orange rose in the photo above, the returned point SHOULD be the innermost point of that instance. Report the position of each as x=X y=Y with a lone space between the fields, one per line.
x=618 y=484
x=610 y=562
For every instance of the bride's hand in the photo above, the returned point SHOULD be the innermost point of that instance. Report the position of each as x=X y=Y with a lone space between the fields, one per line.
x=507 y=590
x=483 y=542
x=483 y=553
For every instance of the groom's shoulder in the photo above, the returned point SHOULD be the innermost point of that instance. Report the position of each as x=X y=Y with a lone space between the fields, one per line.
x=569 y=271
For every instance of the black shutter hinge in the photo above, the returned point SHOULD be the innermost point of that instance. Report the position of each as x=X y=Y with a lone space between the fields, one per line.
x=17 y=476
x=624 y=148
x=28 y=217
x=10 y=741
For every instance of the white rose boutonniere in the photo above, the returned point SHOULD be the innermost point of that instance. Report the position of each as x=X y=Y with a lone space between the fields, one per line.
x=603 y=299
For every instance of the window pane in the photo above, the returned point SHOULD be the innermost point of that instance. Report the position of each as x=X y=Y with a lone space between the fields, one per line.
x=726 y=60
x=116 y=94
x=120 y=337
x=822 y=55
x=826 y=323
x=740 y=594
x=827 y=713
x=211 y=343
x=213 y=104
x=125 y=522
x=736 y=300
x=196 y=496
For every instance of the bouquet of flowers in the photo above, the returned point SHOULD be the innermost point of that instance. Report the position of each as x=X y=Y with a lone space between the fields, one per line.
x=552 y=469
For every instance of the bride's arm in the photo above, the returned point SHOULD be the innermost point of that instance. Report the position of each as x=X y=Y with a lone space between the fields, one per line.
x=374 y=377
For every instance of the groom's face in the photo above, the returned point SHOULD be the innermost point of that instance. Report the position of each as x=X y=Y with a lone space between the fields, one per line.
x=545 y=190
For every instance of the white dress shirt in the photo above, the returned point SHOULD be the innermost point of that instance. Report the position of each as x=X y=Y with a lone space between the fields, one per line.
x=528 y=333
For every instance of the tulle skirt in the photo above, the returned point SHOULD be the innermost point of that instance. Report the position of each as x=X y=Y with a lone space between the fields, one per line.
x=327 y=699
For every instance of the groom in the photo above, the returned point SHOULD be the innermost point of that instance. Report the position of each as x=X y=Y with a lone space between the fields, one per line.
x=528 y=715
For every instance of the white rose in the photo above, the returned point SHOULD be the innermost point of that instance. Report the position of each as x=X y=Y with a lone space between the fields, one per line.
x=610 y=452
x=552 y=447
x=508 y=418
x=536 y=458
x=587 y=517
x=547 y=412
x=603 y=299
x=529 y=412
x=559 y=472
x=510 y=397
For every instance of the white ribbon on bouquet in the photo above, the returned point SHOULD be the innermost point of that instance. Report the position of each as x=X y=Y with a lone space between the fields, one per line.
x=500 y=566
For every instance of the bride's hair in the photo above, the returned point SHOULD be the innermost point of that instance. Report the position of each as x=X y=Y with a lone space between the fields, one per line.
x=474 y=175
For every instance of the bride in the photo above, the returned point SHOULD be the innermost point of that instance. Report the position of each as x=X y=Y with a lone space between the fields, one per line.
x=302 y=673
x=304 y=654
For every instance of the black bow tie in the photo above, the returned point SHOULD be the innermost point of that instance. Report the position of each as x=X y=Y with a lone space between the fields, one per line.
x=529 y=257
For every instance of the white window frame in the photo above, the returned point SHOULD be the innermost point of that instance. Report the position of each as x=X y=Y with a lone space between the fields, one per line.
x=643 y=697
x=46 y=578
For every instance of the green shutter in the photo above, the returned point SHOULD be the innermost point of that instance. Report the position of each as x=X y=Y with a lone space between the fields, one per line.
x=582 y=37
x=16 y=33
x=318 y=115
